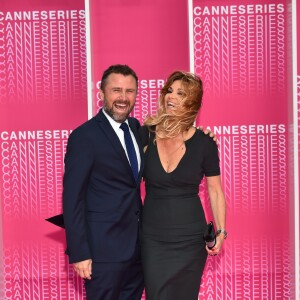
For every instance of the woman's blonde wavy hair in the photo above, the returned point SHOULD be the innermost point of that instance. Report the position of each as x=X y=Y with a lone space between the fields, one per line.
x=184 y=115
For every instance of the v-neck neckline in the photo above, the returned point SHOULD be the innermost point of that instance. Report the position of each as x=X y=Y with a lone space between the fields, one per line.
x=179 y=162
x=184 y=143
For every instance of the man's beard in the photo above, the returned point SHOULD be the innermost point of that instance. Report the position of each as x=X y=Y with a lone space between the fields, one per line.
x=118 y=117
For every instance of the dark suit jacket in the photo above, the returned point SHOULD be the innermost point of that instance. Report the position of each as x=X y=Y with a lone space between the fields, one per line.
x=101 y=200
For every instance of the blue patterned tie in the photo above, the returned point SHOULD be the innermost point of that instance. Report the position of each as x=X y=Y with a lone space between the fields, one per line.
x=130 y=150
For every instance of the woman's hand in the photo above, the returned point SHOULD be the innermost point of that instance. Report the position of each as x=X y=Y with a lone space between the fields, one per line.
x=218 y=246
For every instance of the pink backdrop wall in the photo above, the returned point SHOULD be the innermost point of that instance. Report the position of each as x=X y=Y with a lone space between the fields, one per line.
x=243 y=54
x=42 y=97
x=144 y=35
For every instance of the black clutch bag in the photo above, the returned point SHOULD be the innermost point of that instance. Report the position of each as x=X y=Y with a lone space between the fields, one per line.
x=210 y=235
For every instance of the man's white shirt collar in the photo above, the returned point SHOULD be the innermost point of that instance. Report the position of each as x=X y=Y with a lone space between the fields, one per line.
x=115 y=125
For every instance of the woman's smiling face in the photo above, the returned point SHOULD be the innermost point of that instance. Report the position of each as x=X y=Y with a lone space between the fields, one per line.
x=174 y=96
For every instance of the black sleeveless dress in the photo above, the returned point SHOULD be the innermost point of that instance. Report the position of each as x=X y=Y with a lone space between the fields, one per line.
x=173 y=249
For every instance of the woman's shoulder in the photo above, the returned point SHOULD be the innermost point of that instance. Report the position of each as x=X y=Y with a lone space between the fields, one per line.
x=200 y=136
x=195 y=134
x=200 y=133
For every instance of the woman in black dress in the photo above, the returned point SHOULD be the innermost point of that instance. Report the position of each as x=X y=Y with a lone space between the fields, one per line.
x=178 y=156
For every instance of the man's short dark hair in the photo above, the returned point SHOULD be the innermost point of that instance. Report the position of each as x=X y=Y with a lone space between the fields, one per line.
x=117 y=69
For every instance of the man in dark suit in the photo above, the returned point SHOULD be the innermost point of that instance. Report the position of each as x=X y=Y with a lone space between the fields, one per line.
x=101 y=194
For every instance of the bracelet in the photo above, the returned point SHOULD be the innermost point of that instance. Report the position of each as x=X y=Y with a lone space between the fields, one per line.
x=222 y=231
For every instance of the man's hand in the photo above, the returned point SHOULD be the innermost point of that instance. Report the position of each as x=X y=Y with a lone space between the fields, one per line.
x=208 y=131
x=83 y=268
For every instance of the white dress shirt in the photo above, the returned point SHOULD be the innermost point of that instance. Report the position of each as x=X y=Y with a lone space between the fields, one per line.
x=120 y=133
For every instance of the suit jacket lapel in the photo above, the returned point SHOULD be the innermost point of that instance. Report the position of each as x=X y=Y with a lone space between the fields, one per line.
x=110 y=135
x=115 y=142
